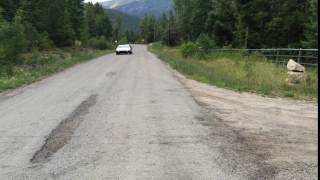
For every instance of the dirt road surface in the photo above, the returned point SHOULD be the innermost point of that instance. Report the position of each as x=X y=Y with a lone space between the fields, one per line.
x=132 y=117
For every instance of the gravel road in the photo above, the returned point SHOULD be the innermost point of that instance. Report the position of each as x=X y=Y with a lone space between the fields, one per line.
x=128 y=117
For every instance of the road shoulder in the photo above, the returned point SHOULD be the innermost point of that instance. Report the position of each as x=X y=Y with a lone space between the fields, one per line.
x=279 y=135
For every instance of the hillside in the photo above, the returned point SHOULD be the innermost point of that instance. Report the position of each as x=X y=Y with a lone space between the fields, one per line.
x=140 y=8
x=128 y=22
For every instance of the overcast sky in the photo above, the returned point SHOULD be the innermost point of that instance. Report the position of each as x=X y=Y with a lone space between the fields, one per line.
x=94 y=1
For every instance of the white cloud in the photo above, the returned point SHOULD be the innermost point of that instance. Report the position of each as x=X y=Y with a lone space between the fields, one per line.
x=94 y=1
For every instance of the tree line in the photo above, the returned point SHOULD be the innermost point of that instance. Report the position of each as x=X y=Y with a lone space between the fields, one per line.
x=162 y=29
x=238 y=23
x=26 y=25
x=64 y=21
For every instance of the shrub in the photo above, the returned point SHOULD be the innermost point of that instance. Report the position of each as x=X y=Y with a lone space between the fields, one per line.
x=205 y=43
x=98 y=43
x=12 y=43
x=44 y=41
x=32 y=36
x=189 y=49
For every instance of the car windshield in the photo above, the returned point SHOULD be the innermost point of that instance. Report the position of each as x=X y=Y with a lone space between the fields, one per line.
x=123 y=46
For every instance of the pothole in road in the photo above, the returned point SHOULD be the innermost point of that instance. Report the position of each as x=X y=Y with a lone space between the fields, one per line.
x=63 y=132
x=110 y=74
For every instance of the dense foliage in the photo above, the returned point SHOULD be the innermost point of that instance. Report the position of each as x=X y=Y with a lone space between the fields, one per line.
x=160 y=29
x=238 y=23
x=97 y=23
x=28 y=25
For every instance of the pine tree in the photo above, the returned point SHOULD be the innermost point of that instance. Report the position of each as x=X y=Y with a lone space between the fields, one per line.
x=67 y=32
x=28 y=11
x=173 y=30
x=311 y=27
x=199 y=17
x=76 y=13
x=97 y=22
x=148 y=28
x=163 y=28
x=9 y=8
x=104 y=26
x=1 y=18
x=222 y=22
x=60 y=27
x=117 y=29
x=184 y=11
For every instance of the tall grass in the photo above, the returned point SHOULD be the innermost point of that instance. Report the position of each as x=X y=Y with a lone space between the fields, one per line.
x=38 y=65
x=234 y=71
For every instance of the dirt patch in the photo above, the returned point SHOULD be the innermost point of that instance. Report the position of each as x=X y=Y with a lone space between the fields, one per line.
x=63 y=132
x=269 y=138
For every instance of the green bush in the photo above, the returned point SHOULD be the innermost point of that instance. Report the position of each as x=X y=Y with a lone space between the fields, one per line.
x=13 y=42
x=32 y=36
x=200 y=49
x=206 y=44
x=189 y=49
x=99 y=43
x=44 y=41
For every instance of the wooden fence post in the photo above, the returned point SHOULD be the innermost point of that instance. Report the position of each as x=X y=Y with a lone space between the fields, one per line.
x=299 y=57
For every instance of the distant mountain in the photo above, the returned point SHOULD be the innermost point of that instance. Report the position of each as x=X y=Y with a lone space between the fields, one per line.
x=127 y=22
x=140 y=8
x=109 y=4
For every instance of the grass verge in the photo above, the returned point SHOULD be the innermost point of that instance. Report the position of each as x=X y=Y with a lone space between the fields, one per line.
x=235 y=72
x=38 y=65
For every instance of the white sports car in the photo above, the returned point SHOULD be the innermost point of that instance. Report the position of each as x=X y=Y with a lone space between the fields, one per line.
x=127 y=49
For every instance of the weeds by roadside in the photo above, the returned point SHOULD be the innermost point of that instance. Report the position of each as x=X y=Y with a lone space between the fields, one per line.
x=233 y=71
x=37 y=65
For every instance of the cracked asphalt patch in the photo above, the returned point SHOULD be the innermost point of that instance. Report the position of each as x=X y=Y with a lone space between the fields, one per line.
x=63 y=132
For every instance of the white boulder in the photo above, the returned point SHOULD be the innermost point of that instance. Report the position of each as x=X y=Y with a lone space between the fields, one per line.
x=296 y=77
x=295 y=67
